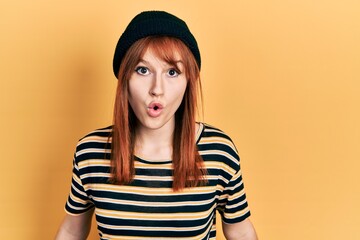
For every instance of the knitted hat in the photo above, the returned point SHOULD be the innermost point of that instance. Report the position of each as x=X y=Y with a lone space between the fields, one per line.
x=152 y=23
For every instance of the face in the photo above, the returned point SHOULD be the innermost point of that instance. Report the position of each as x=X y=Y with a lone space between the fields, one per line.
x=156 y=90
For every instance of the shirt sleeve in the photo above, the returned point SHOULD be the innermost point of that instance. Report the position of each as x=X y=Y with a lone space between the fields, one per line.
x=232 y=205
x=78 y=201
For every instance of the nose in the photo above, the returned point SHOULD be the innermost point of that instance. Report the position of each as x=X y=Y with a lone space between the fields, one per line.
x=156 y=88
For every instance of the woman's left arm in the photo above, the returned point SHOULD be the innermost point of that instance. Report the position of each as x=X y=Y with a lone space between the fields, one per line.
x=239 y=231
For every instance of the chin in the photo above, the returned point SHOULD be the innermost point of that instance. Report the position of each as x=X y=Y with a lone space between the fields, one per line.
x=155 y=123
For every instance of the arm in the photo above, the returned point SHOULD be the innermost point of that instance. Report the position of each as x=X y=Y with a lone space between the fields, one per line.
x=75 y=227
x=239 y=231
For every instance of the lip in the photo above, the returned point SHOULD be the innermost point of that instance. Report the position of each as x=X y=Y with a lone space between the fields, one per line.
x=154 y=109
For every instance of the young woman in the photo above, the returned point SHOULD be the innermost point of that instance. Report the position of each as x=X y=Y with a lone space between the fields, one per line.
x=156 y=173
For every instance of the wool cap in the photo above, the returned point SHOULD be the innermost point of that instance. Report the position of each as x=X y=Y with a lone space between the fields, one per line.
x=151 y=23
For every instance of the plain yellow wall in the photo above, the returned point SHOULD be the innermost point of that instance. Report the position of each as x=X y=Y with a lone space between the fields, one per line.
x=281 y=77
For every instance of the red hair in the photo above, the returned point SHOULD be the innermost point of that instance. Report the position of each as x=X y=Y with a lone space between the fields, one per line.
x=188 y=170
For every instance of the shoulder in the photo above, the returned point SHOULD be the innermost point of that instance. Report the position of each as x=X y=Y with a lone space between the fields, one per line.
x=216 y=145
x=98 y=140
x=212 y=131
x=98 y=133
x=214 y=135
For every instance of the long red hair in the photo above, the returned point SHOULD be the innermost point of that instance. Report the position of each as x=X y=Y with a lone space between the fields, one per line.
x=188 y=170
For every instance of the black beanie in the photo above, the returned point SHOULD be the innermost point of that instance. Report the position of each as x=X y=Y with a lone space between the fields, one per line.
x=152 y=23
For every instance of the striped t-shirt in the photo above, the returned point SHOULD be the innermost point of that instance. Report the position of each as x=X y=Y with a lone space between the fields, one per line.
x=148 y=208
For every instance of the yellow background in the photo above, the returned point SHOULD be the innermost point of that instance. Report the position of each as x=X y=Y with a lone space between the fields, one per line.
x=281 y=77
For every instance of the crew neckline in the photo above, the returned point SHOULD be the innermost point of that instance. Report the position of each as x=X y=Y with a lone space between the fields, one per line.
x=166 y=161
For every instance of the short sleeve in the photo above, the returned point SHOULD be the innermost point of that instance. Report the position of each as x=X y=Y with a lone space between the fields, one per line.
x=232 y=205
x=78 y=201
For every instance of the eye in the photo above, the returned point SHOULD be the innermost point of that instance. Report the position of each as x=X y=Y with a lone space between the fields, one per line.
x=142 y=70
x=173 y=73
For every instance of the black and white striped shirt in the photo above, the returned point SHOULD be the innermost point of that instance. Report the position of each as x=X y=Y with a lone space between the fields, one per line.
x=147 y=208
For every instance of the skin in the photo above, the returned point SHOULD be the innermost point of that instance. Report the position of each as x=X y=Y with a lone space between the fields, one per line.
x=153 y=80
x=239 y=231
x=75 y=227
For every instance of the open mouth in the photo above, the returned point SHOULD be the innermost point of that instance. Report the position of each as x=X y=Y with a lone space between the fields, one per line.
x=154 y=109
x=155 y=106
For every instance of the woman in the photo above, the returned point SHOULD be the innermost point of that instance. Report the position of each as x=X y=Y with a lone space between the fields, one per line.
x=156 y=173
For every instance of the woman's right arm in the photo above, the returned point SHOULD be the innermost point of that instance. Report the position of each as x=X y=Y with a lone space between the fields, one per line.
x=75 y=227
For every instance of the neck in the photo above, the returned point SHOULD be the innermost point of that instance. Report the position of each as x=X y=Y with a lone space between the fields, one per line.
x=155 y=144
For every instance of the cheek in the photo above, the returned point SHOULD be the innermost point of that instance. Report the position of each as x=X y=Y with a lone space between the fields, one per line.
x=180 y=93
x=184 y=86
x=134 y=91
x=133 y=97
